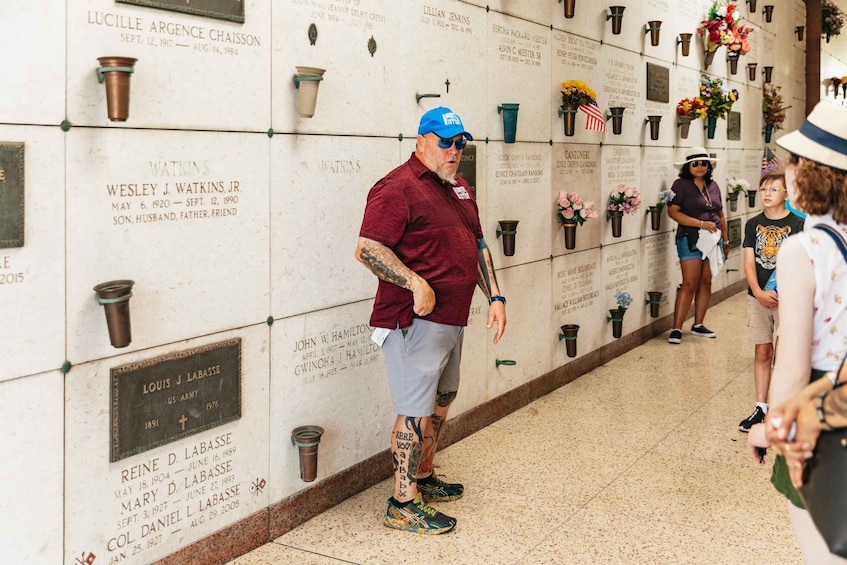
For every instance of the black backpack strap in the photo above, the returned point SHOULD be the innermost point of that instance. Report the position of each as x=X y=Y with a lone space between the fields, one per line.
x=833 y=233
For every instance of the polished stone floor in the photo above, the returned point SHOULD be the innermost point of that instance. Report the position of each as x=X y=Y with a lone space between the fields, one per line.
x=639 y=461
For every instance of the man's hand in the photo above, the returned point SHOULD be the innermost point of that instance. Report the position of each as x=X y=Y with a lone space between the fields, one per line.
x=497 y=313
x=424 y=298
x=768 y=299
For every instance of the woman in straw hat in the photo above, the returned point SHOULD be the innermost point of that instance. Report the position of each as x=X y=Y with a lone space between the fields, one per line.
x=812 y=281
x=697 y=205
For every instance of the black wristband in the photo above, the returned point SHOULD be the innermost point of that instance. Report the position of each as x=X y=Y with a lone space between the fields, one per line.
x=495 y=298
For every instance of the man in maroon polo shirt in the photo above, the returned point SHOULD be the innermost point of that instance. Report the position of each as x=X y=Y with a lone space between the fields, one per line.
x=422 y=238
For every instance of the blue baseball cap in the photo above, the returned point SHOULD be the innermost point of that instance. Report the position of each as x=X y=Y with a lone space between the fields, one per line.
x=443 y=122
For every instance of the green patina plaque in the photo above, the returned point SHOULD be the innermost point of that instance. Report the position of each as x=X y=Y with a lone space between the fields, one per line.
x=733 y=126
x=11 y=194
x=734 y=228
x=232 y=10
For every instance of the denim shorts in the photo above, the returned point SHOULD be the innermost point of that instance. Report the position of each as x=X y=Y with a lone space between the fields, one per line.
x=686 y=254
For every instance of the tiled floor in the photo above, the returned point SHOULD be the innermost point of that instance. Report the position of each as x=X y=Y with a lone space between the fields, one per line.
x=639 y=461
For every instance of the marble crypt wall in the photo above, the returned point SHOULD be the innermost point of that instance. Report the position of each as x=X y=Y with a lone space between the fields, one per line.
x=237 y=219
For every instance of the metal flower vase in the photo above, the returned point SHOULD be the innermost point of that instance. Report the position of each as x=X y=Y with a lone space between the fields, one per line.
x=684 y=124
x=616 y=317
x=653 y=27
x=307 y=439
x=654 y=122
x=768 y=12
x=616 y=217
x=568 y=112
x=616 y=15
x=508 y=229
x=570 y=6
x=768 y=132
x=616 y=115
x=685 y=41
x=654 y=300
x=711 y=125
x=568 y=334
x=751 y=71
x=116 y=72
x=655 y=213
x=751 y=198
x=114 y=297
x=709 y=58
x=733 y=201
x=306 y=81
x=570 y=233
x=767 y=73
x=732 y=59
x=510 y=121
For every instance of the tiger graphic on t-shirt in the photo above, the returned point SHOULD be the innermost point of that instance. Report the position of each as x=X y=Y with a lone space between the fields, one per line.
x=768 y=240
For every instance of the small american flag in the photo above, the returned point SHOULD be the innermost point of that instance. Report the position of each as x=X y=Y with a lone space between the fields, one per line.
x=594 y=120
x=770 y=162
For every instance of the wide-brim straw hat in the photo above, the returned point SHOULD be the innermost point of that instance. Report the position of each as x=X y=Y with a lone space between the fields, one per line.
x=695 y=154
x=822 y=138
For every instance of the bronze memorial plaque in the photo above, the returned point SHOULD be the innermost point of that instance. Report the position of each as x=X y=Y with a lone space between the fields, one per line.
x=733 y=126
x=232 y=10
x=658 y=83
x=734 y=228
x=467 y=166
x=157 y=401
x=11 y=194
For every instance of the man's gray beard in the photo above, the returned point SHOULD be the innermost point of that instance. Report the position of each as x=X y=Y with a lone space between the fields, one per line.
x=448 y=178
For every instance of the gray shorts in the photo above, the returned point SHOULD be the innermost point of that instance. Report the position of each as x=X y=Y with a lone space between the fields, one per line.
x=422 y=360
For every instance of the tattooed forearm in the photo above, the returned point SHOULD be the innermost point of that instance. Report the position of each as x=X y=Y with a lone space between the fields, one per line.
x=486 y=279
x=383 y=269
x=835 y=408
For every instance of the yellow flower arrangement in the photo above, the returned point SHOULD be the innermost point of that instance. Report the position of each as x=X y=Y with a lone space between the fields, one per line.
x=577 y=93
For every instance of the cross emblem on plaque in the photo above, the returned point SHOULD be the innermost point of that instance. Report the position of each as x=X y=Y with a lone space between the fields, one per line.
x=447 y=84
x=182 y=421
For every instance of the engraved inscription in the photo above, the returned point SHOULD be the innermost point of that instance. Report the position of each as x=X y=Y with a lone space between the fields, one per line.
x=576 y=53
x=348 y=13
x=517 y=47
x=577 y=285
x=157 y=401
x=518 y=169
x=621 y=269
x=734 y=228
x=620 y=165
x=620 y=84
x=328 y=354
x=658 y=83
x=446 y=19
x=657 y=255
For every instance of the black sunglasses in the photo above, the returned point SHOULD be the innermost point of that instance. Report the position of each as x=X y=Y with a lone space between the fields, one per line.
x=699 y=163
x=447 y=142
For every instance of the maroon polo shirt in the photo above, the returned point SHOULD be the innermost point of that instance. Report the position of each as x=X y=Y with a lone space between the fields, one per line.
x=433 y=228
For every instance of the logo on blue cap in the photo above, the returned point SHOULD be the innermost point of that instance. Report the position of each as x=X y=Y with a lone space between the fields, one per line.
x=443 y=122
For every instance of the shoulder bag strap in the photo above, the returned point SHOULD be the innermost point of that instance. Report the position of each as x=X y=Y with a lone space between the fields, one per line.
x=833 y=233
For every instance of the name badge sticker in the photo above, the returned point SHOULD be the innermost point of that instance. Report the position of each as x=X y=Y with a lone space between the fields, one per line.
x=461 y=193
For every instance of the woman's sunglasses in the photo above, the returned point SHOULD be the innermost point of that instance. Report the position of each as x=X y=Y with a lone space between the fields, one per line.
x=699 y=163
x=447 y=143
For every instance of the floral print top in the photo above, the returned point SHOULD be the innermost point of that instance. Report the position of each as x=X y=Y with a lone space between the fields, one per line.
x=829 y=326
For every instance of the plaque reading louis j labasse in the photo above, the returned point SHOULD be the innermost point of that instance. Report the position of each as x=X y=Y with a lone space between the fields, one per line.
x=160 y=400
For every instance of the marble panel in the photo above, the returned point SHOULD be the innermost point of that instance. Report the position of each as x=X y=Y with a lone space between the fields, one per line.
x=657 y=174
x=355 y=80
x=621 y=166
x=686 y=19
x=587 y=20
x=751 y=168
x=529 y=309
x=797 y=79
x=686 y=84
x=184 y=215
x=576 y=287
x=576 y=168
x=732 y=164
x=458 y=31
x=32 y=420
x=662 y=11
x=518 y=56
x=518 y=181
x=665 y=110
x=32 y=34
x=32 y=277
x=147 y=506
x=573 y=58
x=538 y=12
x=621 y=271
x=326 y=371
x=766 y=47
x=632 y=25
x=623 y=84
x=172 y=85
x=312 y=243
x=659 y=272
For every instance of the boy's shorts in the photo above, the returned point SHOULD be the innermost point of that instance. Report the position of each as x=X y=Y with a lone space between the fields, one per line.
x=761 y=321
x=422 y=360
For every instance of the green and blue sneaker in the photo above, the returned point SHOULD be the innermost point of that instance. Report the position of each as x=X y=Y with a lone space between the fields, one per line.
x=436 y=490
x=416 y=516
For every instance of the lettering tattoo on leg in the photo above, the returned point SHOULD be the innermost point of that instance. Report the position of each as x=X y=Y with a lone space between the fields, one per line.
x=414 y=425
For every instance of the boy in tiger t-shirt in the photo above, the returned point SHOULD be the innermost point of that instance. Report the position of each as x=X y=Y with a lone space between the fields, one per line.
x=763 y=234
